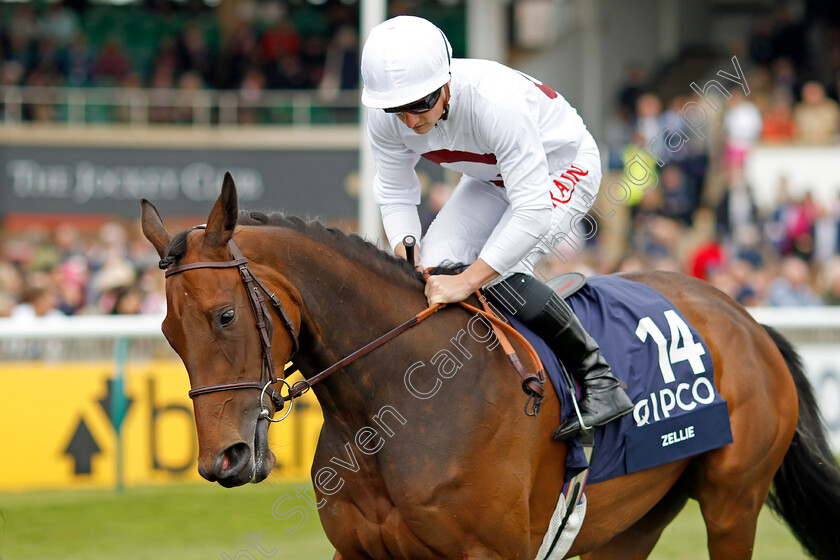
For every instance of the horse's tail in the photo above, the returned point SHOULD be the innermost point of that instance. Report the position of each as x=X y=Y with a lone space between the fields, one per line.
x=806 y=488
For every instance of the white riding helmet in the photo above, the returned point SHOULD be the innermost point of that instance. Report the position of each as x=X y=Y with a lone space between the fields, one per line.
x=404 y=59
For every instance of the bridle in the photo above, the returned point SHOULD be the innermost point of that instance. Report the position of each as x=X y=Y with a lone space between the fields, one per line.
x=265 y=327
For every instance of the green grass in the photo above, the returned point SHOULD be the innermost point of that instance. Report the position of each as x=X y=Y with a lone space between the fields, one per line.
x=685 y=538
x=202 y=521
x=199 y=521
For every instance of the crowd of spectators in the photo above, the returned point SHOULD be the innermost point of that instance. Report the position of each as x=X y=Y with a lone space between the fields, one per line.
x=272 y=45
x=262 y=46
x=70 y=271
x=702 y=218
x=251 y=47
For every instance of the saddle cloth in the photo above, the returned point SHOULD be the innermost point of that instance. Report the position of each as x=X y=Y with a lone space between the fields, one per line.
x=668 y=371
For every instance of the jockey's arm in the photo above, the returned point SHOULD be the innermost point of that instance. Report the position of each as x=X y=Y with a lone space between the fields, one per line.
x=510 y=133
x=396 y=187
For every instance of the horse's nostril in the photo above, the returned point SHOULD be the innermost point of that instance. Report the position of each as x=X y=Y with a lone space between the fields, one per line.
x=234 y=459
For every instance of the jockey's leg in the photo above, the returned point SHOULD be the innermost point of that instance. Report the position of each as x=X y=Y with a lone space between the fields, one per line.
x=552 y=319
x=548 y=315
x=462 y=227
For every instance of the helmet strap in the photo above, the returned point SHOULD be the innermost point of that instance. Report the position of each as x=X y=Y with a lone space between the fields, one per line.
x=445 y=114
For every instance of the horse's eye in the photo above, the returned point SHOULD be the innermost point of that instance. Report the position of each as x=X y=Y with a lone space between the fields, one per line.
x=227 y=317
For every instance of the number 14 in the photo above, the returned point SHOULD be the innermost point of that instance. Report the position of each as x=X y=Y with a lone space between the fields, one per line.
x=680 y=332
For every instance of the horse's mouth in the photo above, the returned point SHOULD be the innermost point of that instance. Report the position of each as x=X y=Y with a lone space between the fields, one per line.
x=242 y=463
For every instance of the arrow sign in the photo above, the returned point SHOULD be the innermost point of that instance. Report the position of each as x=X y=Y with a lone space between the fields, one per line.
x=82 y=448
x=106 y=403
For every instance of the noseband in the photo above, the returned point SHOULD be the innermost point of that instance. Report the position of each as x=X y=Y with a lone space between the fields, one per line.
x=265 y=327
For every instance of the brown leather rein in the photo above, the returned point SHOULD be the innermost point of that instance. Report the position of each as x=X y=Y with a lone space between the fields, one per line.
x=532 y=384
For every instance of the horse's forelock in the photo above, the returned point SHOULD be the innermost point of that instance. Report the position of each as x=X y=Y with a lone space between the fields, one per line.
x=176 y=249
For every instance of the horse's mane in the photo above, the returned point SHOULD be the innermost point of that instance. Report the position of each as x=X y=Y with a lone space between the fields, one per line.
x=352 y=245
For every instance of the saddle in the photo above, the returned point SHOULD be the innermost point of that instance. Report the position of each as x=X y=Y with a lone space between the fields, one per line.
x=567 y=284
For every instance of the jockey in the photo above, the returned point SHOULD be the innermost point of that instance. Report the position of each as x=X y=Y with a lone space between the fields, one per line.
x=528 y=166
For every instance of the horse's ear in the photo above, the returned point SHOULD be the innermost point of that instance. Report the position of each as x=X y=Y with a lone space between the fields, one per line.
x=223 y=216
x=153 y=228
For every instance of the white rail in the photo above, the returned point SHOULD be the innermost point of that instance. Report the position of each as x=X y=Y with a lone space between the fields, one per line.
x=82 y=327
x=141 y=106
x=148 y=326
x=797 y=318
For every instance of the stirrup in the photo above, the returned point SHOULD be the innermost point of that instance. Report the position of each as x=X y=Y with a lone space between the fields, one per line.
x=576 y=427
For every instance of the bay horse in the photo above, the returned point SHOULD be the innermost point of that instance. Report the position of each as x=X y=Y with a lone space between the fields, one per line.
x=463 y=473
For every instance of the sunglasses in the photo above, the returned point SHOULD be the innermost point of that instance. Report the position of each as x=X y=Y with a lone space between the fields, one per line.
x=422 y=106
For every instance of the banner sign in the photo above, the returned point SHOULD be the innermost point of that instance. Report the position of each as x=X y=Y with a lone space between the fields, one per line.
x=58 y=428
x=183 y=181
x=317 y=183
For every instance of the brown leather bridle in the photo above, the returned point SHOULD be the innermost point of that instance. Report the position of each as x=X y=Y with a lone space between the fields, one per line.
x=264 y=323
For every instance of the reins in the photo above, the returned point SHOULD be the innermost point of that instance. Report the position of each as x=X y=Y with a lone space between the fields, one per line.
x=532 y=384
x=304 y=385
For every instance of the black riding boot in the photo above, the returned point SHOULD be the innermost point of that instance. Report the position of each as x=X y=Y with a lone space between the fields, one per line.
x=552 y=319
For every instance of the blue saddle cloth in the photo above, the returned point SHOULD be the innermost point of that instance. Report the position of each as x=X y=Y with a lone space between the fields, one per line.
x=669 y=375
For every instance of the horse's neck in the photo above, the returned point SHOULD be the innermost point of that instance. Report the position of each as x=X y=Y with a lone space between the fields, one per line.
x=443 y=386
x=346 y=305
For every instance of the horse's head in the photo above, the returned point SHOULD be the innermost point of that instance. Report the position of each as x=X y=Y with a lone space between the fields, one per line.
x=213 y=318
